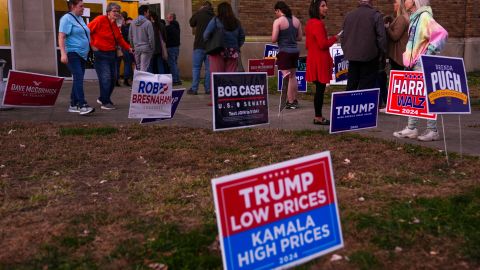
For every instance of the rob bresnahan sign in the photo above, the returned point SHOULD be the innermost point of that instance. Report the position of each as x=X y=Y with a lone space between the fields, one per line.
x=151 y=96
x=278 y=216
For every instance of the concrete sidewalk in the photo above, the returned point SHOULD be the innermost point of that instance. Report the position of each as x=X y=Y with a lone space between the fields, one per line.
x=193 y=111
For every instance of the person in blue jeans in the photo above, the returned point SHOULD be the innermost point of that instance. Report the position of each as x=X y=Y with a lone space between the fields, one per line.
x=173 y=47
x=73 y=39
x=199 y=21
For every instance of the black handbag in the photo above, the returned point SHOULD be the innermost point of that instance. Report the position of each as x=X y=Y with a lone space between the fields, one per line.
x=91 y=56
x=215 y=43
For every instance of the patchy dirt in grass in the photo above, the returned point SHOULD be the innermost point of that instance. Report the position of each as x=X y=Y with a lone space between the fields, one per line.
x=88 y=194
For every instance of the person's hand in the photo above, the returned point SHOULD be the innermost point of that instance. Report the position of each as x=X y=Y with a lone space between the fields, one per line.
x=64 y=58
x=130 y=50
x=387 y=25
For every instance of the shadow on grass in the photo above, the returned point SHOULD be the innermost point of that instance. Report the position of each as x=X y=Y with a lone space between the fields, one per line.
x=100 y=131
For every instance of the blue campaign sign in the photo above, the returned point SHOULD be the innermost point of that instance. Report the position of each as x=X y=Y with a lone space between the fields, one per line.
x=446 y=85
x=176 y=96
x=301 y=80
x=341 y=68
x=354 y=110
x=271 y=51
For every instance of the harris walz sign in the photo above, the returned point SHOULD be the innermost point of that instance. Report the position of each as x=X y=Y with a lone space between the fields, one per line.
x=239 y=100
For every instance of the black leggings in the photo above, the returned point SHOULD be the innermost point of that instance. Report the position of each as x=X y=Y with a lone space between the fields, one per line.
x=318 y=99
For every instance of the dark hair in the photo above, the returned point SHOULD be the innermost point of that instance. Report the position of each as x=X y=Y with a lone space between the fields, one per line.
x=207 y=4
x=142 y=9
x=154 y=17
x=227 y=17
x=314 y=10
x=284 y=8
x=124 y=15
x=71 y=3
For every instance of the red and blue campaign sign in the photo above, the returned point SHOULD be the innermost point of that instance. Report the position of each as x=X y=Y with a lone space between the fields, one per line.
x=270 y=51
x=354 y=110
x=176 y=97
x=407 y=95
x=240 y=99
x=262 y=65
x=278 y=216
x=446 y=84
x=340 y=67
x=25 y=89
x=301 y=81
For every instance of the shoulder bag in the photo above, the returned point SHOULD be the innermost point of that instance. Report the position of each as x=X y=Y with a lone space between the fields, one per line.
x=90 y=56
x=215 y=43
x=118 y=50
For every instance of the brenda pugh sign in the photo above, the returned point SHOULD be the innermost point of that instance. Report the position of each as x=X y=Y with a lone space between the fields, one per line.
x=278 y=216
x=151 y=96
x=341 y=68
x=336 y=52
x=354 y=110
x=301 y=81
x=176 y=96
x=446 y=84
x=31 y=89
x=239 y=100
x=406 y=95
x=270 y=51
x=262 y=65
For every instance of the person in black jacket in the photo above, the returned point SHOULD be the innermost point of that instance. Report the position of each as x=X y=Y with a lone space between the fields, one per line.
x=200 y=21
x=159 y=63
x=173 y=47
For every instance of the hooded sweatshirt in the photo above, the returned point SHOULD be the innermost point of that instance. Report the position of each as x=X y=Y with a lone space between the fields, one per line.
x=425 y=36
x=141 y=35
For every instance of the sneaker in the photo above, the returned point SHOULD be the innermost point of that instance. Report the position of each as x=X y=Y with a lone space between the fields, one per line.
x=74 y=109
x=290 y=106
x=108 y=106
x=85 y=109
x=99 y=102
x=192 y=92
x=429 y=135
x=383 y=110
x=406 y=133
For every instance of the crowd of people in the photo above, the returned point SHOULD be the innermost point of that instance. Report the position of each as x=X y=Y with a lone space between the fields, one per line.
x=369 y=41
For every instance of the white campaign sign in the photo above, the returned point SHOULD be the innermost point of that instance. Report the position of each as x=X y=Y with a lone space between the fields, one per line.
x=151 y=95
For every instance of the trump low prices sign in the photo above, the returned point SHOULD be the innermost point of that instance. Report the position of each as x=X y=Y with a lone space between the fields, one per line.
x=354 y=110
x=278 y=216
x=239 y=100
x=25 y=89
x=301 y=81
x=446 y=84
x=151 y=96
x=406 y=95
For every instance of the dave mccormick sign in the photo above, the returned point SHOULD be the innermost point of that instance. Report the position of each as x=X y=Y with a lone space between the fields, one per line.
x=446 y=84
x=278 y=216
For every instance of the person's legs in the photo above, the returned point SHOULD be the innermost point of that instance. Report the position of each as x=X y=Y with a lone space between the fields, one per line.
x=318 y=99
x=127 y=66
x=368 y=74
x=382 y=83
x=198 y=57
x=353 y=76
x=112 y=66
x=395 y=66
x=206 y=82
x=104 y=73
x=145 y=59
x=76 y=65
x=292 y=85
x=231 y=65
x=172 y=63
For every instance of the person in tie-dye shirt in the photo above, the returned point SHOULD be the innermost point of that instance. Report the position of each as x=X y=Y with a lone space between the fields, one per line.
x=425 y=36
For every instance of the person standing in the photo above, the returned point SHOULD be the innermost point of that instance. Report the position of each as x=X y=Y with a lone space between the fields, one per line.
x=142 y=38
x=397 y=33
x=127 y=56
x=425 y=36
x=319 y=61
x=74 y=39
x=226 y=60
x=173 y=47
x=160 y=54
x=105 y=40
x=287 y=30
x=199 y=21
x=363 y=40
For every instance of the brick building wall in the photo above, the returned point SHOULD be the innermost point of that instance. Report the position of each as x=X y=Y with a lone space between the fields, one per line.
x=460 y=17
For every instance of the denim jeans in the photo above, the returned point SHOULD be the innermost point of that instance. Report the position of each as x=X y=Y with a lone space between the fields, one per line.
x=199 y=57
x=76 y=65
x=127 y=64
x=413 y=121
x=173 y=53
x=105 y=68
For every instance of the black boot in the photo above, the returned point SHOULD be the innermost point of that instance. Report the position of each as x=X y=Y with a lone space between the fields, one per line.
x=126 y=83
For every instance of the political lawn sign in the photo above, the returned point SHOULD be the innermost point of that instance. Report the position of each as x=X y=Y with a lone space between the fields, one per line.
x=262 y=65
x=302 y=63
x=239 y=100
x=336 y=52
x=341 y=68
x=151 y=96
x=301 y=81
x=176 y=97
x=270 y=51
x=354 y=110
x=446 y=84
x=407 y=95
x=25 y=89
x=278 y=216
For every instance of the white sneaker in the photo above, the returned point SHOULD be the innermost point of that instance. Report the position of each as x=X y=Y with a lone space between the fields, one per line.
x=406 y=133
x=383 y=110
x=85 y=109
x=429 y=135
x=74 y=109
x=99 y=102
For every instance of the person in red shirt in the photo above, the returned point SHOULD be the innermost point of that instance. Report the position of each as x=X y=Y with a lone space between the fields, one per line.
x=319 y=61
x=105 y=40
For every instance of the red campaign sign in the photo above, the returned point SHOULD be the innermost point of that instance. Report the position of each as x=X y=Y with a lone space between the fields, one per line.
x=407 y=95
x=262 y=65
x=265 y=195
x=31 y=89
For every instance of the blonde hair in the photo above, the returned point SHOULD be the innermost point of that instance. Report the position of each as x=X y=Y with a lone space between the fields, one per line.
x=402 y=11
x=421 y=3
